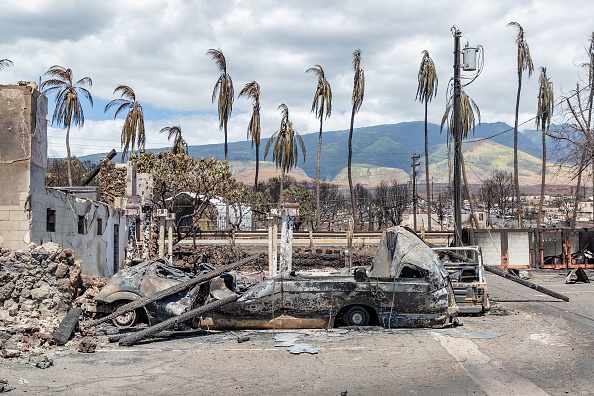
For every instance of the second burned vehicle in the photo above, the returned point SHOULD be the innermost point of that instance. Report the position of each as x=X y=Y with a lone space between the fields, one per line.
x=467 y=273
x=406 y=286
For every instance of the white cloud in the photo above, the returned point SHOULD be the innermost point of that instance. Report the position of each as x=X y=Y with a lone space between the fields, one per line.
x=159 y=49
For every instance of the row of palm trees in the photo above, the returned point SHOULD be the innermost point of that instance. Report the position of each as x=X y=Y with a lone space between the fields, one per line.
x=427 y=89
x=286 y=141
x=69 y=112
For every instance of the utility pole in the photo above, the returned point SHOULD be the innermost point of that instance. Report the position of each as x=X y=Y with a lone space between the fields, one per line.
x=414 y=165
x=457 y=143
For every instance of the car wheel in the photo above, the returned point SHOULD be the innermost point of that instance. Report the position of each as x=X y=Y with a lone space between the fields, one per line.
x=356 y=316
x=126 y=320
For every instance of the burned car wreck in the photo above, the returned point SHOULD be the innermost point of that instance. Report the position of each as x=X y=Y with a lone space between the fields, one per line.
x=147 y=279
x=467 y=273
x=406 y=286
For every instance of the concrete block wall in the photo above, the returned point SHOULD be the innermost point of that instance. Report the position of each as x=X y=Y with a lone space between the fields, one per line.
x=14 y=227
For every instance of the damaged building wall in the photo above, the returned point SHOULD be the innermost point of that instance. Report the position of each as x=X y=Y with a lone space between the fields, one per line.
x=94 y=230
x=30 y=213
x=23 y=159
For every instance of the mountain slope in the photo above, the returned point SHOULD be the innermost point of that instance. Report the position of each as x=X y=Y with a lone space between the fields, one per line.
x=391 y=147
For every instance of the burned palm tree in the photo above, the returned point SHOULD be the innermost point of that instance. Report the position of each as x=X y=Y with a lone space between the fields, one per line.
x=468 y=109
x=426 y=90
x=322 y=107
x=544 y=112
x=222 y=93
x=524 y=65
x=68 y=110
x=5 y=63
x=179 y=144
x=285 y=145
x=356 y=101
x=254 y=130
x=133 y=133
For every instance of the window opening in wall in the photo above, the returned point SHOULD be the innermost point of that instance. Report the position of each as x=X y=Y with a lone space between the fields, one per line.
x=99 y=226
x=81 y=224
x=51 y=220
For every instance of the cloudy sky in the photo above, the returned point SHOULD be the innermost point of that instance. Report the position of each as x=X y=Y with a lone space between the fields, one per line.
x=159 y=47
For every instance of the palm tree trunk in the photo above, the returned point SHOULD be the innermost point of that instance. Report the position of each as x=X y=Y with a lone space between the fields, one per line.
x=318 y=213
x=68 y=156
x=227 y=161
x=255 y=199
x=516 y=173
x=469 y=193
x=350 y=156
x=427 y=172
x=542 y=178
x=280 y=195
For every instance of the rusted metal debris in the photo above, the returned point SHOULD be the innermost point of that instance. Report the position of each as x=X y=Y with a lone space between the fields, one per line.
x=406 y=286
x=576 y=276
x=467 y=273
x=155 y=329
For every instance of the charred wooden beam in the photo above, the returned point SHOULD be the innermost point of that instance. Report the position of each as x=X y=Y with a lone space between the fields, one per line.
x=134 y=338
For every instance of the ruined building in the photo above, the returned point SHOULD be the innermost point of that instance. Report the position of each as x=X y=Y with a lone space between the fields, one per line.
x=30 y=212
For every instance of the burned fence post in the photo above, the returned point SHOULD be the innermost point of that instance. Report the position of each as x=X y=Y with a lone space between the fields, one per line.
x=272 y=243
x=290 y=211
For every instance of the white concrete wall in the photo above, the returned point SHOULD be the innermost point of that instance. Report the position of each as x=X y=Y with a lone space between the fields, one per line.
x=96 y=251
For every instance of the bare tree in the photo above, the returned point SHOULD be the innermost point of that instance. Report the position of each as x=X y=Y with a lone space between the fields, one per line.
x=503 y=191
x=391 y=199
x=576 y=134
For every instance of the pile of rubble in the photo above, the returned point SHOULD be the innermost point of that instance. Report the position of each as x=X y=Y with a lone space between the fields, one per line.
x=38 y=286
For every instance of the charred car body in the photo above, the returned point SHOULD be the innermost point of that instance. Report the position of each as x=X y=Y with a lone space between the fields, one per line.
x=146 y=279
x=406 y=286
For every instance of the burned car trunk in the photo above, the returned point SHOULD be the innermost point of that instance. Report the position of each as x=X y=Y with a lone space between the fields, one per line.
x=406 y=286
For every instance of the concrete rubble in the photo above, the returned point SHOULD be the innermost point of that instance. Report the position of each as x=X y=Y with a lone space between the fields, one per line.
x=38 y=287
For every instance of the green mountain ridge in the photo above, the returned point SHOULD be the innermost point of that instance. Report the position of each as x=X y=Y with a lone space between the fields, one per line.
x=389 y=148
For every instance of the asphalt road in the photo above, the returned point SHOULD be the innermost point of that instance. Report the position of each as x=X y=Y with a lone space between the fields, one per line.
x=530 y=344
